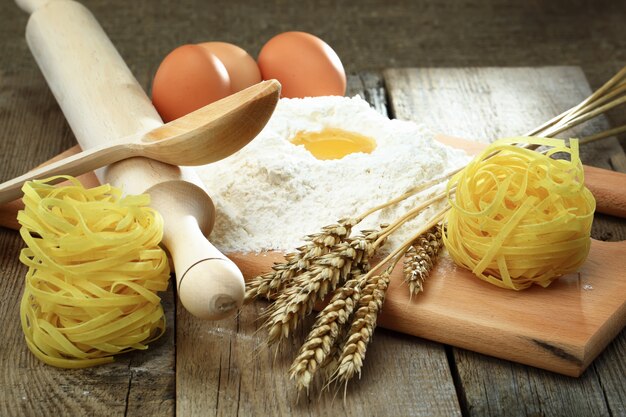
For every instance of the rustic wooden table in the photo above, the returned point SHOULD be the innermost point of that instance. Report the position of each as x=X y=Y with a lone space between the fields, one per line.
x=201 y=368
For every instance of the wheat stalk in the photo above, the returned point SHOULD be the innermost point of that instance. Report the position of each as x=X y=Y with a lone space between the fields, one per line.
x=321 y=341
x=607 y=97
x=361 y=331
x=323 y=275
x=326 y=330
x=352 y=353
x=420 y=259
x=268 y=285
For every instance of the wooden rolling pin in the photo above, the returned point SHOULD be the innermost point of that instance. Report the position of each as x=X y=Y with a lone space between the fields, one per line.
x=102 y=101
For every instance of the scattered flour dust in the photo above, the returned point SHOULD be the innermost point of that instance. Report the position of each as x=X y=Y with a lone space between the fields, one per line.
x=272 y=193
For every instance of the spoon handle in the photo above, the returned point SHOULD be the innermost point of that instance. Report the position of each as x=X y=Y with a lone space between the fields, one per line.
x=74 y=165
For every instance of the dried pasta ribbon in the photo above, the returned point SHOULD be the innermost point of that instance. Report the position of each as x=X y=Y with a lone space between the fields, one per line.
x=94 y=268
x=519 y=217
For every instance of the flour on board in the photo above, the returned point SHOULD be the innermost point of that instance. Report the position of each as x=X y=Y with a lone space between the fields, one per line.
x=272 y=193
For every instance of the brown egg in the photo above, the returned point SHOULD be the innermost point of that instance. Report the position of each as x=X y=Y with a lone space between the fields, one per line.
x=304 y=64
x=242 y=68
x=189 y=77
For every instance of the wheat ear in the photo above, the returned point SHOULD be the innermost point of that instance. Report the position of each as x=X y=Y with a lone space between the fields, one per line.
x=362 y=328
x=322 y=339
x=326 y=330
x=296 y=301
x=268 y=285
x=420 y=259
x=325 y=272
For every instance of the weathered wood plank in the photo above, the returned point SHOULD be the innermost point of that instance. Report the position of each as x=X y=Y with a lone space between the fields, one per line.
x=370 y=86
x=484 y=104
x=222 y=369
x=488 y=103
x=610 y=369
x=492 y=387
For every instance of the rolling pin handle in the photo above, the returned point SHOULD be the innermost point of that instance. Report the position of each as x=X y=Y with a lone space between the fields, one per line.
x=210 y=286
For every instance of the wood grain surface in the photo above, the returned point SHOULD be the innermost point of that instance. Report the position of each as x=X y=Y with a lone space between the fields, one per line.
x=561 y=329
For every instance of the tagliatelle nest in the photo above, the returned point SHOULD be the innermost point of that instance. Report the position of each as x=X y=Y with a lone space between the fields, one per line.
x=519 y=217
x=94 y=268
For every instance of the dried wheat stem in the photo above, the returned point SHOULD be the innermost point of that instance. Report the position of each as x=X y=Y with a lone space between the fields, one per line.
x=438 y=217
x=418 y=188
x=602 y=135
x=616 y=79
x=566 y=125
x=600 y=92
x=616 y=91
x=420 y=259
x=410 y=215
x=414 y=212
x=587 y=109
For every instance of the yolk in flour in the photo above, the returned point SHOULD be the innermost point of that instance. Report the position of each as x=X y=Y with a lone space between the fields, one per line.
x=332 y=143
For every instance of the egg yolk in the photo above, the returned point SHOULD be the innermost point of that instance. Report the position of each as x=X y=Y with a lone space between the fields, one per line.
x=333 y=143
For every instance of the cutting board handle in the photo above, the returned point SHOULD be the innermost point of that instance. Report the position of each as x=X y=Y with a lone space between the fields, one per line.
x=609 y=190
x=102 y=101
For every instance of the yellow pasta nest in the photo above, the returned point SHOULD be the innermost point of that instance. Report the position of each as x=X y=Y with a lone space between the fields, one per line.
x=94 y=267
x=519 y=217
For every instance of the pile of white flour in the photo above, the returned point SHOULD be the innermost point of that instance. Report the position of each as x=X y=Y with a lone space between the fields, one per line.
x=272 y=193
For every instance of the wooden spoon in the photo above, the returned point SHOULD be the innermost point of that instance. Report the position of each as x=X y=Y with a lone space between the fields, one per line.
x=206 y=135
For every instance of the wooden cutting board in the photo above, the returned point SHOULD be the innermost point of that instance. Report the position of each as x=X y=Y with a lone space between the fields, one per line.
x=561 y=328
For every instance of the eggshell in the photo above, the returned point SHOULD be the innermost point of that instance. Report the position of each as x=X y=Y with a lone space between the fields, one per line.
x=189 y=77
x=242 y=68
x=304 y=64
